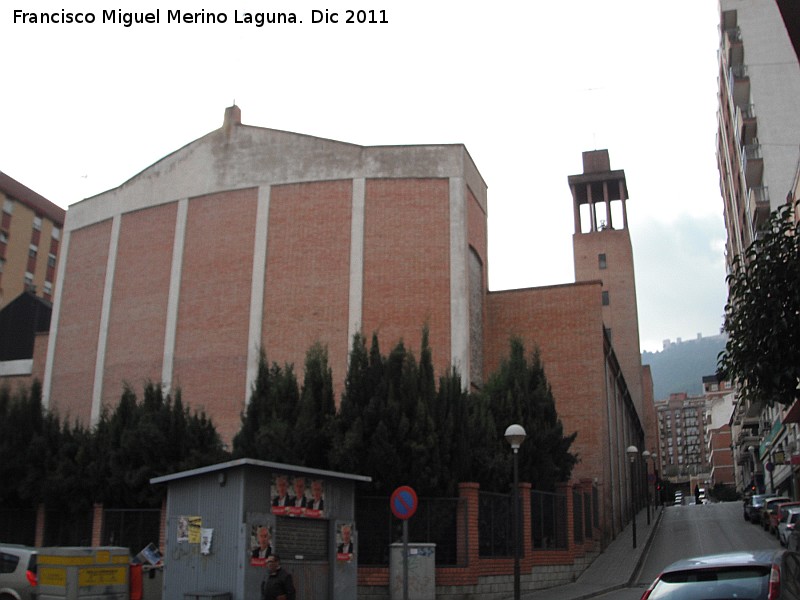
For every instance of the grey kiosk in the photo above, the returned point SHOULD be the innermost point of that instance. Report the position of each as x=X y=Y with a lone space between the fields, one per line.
x=225 y=519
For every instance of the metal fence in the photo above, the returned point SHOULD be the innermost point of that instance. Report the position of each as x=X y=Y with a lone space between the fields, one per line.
x=65 y=528
x=131 y=528
x=577 y=516
x=549 y=520
x=495 y=530
x=18 y=526
x=437 y=520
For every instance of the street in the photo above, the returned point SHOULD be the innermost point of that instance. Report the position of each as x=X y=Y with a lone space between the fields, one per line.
x=687 y=531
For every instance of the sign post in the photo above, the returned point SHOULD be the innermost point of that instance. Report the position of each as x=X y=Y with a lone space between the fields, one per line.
x=404 y=504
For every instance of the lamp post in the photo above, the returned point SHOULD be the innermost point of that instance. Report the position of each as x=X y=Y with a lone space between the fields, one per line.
x=656 y=500
x=633 y=452
x=645 y=456
x=515 y=435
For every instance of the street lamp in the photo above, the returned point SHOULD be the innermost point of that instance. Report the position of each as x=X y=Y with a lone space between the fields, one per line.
x=645 y=456
x=515 y=435
x=633 y=452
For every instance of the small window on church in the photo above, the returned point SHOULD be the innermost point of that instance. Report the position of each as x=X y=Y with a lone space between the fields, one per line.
x=605 y=298
x=601 y=261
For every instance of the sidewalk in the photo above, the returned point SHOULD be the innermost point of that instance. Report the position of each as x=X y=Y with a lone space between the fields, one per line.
x=612 y=569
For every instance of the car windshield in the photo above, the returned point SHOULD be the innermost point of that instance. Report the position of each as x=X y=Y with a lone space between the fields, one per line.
x=750 y=583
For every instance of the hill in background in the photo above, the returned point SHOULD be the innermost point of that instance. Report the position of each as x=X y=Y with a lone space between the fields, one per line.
x=681 y=365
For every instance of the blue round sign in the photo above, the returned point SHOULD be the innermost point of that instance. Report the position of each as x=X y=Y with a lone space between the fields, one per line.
x=403 y=502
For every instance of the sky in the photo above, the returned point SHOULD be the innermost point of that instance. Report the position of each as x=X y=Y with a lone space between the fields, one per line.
x=526 y=87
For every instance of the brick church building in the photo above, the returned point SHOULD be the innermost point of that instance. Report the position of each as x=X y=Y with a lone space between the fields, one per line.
x=250 y=238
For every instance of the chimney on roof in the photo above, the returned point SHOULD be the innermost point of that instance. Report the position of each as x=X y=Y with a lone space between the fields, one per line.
x=233 y=116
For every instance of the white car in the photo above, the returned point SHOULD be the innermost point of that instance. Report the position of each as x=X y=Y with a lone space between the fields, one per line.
x=788 y=524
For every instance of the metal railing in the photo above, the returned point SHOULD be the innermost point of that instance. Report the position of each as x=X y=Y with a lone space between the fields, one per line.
x=63 y=528
x=131 y=528
x=18 y=526
x=495 y=533
x=549 y=520
x=437 y=520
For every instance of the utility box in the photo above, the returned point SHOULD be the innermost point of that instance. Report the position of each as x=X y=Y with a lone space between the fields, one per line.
x=421 y=571
x=224 y=520
x=83 y=573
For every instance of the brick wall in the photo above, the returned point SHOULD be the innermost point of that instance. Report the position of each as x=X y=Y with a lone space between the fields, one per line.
x=135 y=341
x=306 y=292
x=407 y=264
x=79 y=321
x=565 y=323
x=214 y=308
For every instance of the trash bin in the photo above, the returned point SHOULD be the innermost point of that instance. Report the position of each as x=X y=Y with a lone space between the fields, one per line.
x=73 y=573
x=137 y=591
x=421 y=563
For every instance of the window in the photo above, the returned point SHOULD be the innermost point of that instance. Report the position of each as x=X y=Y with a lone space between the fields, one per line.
x=48 y=288
x=601 y=261
x=29 y=279
x=56 y=233
x=8 y=562
x=605 y=298
x=51 y=260
x=37 y=223
x=33 y=250
x=3 y=237
x=8 y=207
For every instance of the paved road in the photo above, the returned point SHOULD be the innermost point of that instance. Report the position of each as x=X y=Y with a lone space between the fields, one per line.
x=690 y=531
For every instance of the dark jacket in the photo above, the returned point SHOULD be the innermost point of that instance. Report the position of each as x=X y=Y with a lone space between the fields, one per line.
x=278 y=584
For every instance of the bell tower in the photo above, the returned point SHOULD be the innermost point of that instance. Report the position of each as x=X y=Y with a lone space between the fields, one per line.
x=602 y=251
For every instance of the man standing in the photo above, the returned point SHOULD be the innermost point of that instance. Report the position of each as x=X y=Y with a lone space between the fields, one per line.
x=279 y=584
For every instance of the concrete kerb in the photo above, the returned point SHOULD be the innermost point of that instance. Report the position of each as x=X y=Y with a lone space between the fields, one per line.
x=638 y=566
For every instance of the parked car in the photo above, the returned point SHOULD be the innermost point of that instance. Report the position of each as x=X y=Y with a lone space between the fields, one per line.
x=793 y=541
x=789 y=523
x=17 y=572
x=753 y=506
x=756 y=575
x=769 y=507
x=779 y=513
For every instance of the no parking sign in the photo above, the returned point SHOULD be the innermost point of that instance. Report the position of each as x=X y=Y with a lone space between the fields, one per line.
x=403 y=502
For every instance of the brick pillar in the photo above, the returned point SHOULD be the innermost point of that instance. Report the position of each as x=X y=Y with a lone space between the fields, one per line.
x=467 y=533
x=565 y=489
x=162 y=535
x=97 y=525
x=41 y=517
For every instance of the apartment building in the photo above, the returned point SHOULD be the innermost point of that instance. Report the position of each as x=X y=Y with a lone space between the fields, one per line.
x=758 y=149
x=30 y=235
x=682 y=443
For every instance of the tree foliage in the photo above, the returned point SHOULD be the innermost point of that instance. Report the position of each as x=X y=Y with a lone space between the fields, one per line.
x=519 y=393
x=395 y=426
x=762 y=315
x=71 y=466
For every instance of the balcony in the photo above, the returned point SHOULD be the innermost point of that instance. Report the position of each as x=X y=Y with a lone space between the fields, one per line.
x=733 y=47
x=758 y=205
x=746 y=124
x=739 y=85
x=752 y=164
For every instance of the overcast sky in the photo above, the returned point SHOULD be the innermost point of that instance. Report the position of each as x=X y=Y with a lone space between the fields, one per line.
x=527 y=87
